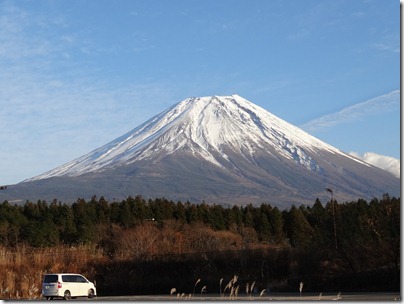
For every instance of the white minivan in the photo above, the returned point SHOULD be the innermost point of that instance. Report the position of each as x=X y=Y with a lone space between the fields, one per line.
x=67 y=285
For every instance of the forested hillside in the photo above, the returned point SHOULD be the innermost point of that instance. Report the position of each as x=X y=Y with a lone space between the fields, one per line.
x=351 y=245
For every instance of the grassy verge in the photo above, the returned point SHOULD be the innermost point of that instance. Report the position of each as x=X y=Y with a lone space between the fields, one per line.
x=22 y=268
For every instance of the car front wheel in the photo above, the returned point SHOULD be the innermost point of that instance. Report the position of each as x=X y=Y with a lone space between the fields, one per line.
x=91 y=293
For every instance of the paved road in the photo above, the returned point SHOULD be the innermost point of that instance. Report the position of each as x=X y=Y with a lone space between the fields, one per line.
x=376 y=296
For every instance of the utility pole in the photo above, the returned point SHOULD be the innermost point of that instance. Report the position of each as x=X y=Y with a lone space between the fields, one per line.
x=333 y=215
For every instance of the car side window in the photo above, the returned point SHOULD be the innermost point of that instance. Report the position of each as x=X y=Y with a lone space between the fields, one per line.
x=73 y=279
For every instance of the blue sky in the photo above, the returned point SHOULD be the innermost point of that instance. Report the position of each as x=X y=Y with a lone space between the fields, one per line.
x=76 y=74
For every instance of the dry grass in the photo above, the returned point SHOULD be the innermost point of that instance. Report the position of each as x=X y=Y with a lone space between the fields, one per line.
x=231 y=290
x=22 y=268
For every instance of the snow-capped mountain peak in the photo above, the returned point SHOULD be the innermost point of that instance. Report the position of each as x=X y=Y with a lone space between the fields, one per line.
x=219 y=149
x=206 y=127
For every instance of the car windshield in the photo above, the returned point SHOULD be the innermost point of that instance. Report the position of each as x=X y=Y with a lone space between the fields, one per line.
x=52 y=278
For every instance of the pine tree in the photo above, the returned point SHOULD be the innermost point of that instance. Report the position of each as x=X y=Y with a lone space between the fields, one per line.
x=299 y=230
x=276 y=223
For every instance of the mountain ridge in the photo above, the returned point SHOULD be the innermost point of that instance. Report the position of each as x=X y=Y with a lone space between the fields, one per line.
x=217 y=149
x=150 y=131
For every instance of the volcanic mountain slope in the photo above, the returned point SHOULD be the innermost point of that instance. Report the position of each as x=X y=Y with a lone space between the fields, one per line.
x=220 y=149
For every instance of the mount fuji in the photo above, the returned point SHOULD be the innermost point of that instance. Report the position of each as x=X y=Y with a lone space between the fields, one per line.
x=218 y=149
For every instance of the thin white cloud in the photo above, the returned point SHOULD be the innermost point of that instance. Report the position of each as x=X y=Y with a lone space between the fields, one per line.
x=386 y=47
x=53 y=110
x=17 y=42
x=46 y=121
x=387 y=163
x=383 y=103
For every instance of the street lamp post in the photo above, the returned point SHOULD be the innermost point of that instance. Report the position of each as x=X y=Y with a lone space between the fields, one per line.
x=333 y=215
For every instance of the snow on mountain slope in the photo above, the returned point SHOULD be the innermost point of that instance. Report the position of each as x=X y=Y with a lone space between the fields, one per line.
x=219 y=149
x=203 y=126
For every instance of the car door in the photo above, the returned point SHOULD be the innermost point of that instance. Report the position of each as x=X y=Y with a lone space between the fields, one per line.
x=67 y=284
x=83 y=285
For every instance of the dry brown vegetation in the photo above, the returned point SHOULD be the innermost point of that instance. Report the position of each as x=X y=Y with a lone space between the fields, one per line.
x=22 y=268
x=147 y=240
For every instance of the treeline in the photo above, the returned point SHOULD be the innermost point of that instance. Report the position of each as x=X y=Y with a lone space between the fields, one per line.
x=345 y=225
